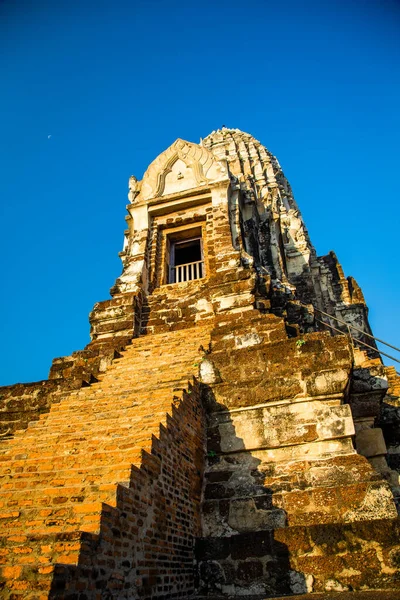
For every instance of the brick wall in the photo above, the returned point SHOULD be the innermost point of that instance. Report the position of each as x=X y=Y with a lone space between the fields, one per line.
x=102 y=492
x=145 y=544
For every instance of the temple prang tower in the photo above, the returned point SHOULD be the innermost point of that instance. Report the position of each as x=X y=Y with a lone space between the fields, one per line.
x=223 y=434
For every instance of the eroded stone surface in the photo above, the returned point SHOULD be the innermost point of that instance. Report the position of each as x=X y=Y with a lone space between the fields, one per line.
x=212 y=408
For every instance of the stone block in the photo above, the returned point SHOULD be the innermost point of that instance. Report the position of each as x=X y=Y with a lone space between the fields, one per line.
x=249 y=545
x=370 y=442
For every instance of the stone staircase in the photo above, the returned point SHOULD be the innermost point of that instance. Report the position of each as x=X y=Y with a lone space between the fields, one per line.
x=66 y=471
x=288 y=505
x=101 y=495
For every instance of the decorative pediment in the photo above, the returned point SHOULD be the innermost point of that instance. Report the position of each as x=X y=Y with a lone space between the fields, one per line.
x=181 y=167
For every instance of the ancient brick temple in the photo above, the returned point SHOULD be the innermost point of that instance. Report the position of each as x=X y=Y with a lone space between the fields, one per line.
x=223 y=434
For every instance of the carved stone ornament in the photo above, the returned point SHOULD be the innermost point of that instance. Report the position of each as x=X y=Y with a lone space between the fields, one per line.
x=133 y=188
x=201 y=162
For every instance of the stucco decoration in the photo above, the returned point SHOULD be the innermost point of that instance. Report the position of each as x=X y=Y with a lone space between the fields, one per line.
x=182 y=166
x=134 y=188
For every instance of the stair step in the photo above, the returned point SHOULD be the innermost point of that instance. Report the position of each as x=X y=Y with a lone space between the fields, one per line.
x=76 y=460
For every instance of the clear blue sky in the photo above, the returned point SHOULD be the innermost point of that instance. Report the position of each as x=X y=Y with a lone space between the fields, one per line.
x=115 y=83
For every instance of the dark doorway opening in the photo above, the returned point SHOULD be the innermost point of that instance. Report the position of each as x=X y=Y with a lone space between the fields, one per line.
x=186 y=260
x=188 y=251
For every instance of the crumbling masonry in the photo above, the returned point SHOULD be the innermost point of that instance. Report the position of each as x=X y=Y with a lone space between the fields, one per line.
x=222 y=435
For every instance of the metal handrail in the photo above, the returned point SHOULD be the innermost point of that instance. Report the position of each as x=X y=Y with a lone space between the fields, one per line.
x=360 y=341
x=354 y=327
x=332 y=327
x=348 y=325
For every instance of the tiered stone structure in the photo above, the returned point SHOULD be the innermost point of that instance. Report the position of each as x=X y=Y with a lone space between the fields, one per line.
x=214 y=439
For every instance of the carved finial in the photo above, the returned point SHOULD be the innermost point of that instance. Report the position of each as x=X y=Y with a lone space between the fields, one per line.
x=133 y=188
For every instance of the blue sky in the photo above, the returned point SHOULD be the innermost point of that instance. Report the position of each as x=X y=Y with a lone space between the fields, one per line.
x=114 y=84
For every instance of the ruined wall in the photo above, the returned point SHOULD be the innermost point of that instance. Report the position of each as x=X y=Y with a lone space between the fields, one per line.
x=103 y=477
x=327 y=558
x=388 y=420
x=273 y=232
x=120 y=459
x=281 y=464
x=113 y=324
x=145 y=543
x=22 y=403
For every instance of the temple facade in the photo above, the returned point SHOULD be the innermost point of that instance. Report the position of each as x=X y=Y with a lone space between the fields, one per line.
x=230 y=431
